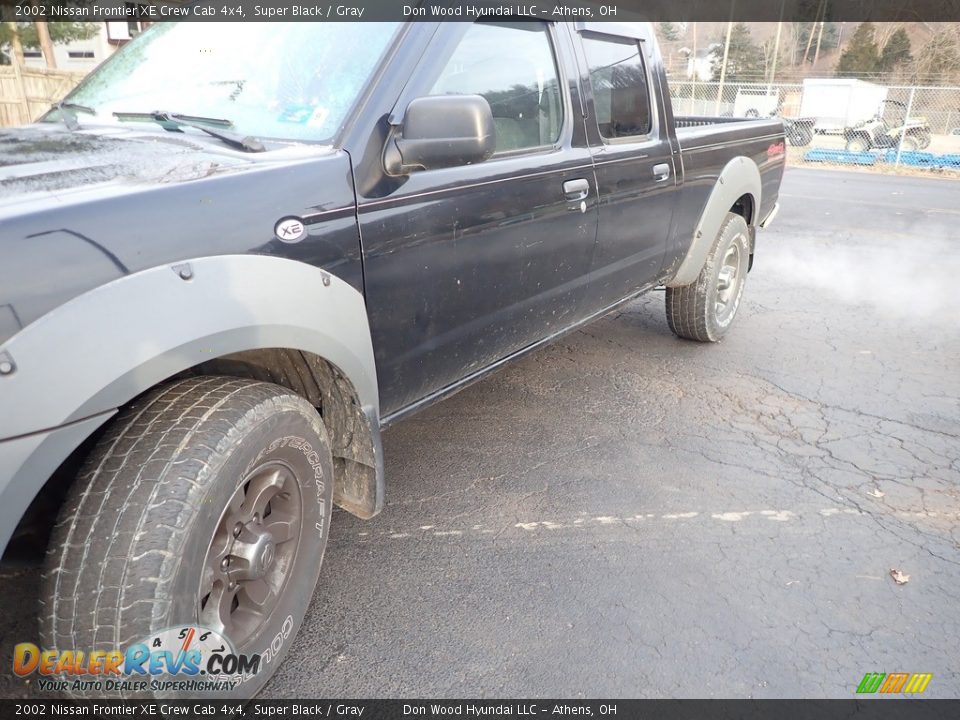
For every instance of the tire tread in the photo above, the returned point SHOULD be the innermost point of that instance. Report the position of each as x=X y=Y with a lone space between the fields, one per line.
x=120 y=535
x=688 y=306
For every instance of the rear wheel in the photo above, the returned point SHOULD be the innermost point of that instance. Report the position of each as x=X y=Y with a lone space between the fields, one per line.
x=207 y=503
x=705 y=309
x=799 y=136
x=858 y=143
x=921 y=137
x=909 y=144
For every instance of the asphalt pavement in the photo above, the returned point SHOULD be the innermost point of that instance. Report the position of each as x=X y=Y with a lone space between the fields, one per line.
x=626 y=514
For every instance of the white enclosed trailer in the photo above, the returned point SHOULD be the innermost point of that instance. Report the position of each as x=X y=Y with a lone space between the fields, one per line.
x=756 y=102
x=839 y=103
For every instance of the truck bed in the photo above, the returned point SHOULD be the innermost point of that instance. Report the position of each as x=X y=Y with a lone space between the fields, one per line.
x=708 y=143
x=693 y=130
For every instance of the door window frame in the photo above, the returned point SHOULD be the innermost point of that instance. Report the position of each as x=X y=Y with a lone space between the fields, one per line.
x=643 y=48
x=434 y=60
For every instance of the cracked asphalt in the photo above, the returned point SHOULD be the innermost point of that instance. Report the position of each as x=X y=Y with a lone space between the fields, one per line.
x=625 y=514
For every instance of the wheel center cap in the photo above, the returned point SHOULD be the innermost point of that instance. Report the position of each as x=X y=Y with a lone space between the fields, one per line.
x=268 y=554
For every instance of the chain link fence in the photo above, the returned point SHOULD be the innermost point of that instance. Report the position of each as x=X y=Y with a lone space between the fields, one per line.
x=843 y=122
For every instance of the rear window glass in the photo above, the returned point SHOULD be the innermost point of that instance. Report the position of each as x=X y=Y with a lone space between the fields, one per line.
x=619 y=81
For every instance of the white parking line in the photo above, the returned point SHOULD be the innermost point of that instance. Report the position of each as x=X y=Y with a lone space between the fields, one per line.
x=608 y=521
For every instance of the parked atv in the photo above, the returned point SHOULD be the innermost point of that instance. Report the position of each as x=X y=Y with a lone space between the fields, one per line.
x=880 y=132
x=799 y=130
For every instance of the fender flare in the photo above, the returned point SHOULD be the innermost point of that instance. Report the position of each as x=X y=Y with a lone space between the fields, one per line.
x=77 y=364
x=739 y=177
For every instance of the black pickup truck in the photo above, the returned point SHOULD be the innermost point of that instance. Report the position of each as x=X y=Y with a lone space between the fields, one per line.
x=236 y=252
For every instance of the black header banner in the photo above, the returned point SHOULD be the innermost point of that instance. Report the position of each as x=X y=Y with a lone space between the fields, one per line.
x=470 y=10
x=264 y=709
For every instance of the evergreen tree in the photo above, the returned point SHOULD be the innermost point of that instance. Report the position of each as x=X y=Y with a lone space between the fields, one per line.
x=861 y=56
x=668 y=31
x=745 y=61
x=896 y=51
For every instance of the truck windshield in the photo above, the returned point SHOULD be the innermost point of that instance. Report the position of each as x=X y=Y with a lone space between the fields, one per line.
x=290 y=81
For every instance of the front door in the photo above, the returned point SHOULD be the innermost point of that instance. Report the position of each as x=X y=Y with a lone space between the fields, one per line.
x=464 y=266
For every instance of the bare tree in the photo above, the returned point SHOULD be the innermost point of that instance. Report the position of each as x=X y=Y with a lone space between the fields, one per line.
x=884 y=31
x=938 y=61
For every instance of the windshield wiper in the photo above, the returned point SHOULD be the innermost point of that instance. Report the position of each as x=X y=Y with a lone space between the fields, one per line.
x=68 y=113
x=250 y=144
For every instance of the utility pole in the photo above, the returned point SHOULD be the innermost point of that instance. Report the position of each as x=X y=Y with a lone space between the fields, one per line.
x=723 y=68
x=813 y=27
x=776 y=52
x=693 y=80
x=816 y=55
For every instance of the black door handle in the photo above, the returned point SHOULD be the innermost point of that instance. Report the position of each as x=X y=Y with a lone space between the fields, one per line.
x=576 y=190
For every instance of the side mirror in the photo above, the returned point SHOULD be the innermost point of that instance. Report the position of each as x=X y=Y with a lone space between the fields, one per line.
x=442 y=131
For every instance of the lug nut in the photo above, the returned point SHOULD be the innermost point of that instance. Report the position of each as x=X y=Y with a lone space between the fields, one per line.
x=237 y=529
x=225 y=563
x=256 y=517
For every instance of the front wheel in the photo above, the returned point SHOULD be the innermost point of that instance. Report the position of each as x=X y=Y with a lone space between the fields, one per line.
x=704 y=310
x=205 y=505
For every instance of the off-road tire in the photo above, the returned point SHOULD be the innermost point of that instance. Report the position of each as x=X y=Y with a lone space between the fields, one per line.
x=910 y=144
x=129 y=547
x=858 y=143
x=922 y=138
x=692 y=309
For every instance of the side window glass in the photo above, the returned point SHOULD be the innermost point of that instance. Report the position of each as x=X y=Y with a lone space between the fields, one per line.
x=619 y=81
x=512 y=65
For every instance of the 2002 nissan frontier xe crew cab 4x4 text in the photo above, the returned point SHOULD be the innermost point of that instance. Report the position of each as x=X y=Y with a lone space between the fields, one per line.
x=225 y=271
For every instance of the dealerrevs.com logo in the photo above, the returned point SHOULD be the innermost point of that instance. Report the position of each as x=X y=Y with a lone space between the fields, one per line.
x=177 y=660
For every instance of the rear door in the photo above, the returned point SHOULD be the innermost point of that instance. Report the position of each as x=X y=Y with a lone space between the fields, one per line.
x=634 y=165
x=464 y=266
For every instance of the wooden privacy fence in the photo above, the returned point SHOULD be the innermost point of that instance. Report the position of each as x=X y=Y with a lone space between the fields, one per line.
x=26 y=92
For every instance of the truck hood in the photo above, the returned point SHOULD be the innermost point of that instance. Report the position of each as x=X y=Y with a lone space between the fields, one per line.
x=81 y=209
x=48 y=158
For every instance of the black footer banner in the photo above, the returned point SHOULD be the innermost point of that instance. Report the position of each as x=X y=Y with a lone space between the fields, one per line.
x=872 y=709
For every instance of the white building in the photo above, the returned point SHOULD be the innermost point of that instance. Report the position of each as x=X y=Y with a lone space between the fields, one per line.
x=700 y=68
x=84 y=55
